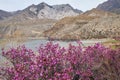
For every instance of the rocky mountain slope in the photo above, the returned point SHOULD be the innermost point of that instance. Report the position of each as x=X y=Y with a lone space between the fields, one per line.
x=110 y=5
x=106 y=27
x=4 y=14
x=34 y=20
x=62 y=22
x=91 y=24
x=28 y=28
x=45 y=11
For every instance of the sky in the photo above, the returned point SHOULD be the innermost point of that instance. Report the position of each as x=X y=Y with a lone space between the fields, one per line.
x=13 y=5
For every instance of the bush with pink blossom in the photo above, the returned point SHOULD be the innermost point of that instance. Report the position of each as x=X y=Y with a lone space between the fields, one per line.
x=53 y=62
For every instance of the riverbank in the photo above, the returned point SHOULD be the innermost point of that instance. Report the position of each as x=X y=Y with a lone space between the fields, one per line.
x=13 y=42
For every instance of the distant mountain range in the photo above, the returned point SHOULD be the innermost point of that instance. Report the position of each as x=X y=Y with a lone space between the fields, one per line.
x=41 y=11
x=45 y=11
x=110 y=5
x=62 y=22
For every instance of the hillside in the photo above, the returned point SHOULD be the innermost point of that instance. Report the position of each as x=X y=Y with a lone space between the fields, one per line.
x=110 y=5
x=4 y=14
x=73 y=27
x=29 y=28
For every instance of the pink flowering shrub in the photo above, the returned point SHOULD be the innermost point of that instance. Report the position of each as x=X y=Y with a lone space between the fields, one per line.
x=52 y=62
x=106 y=62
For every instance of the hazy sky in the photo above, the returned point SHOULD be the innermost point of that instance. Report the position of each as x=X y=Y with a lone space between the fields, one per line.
x=13 y=5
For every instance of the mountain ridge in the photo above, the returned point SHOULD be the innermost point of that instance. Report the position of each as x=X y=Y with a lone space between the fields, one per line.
x=110 y=5
x=60 y=22
x=43 y=10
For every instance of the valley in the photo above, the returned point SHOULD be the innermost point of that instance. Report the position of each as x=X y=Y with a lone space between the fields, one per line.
x=60 y=42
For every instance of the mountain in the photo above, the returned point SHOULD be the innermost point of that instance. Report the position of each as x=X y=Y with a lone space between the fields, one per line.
x=61 y=22
x=79 y=27
x=45 y=11
x=110 y=5
x=34 y=20
x=4 y=14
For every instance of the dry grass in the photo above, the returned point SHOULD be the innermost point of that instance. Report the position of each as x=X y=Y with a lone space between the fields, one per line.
x=113 y=44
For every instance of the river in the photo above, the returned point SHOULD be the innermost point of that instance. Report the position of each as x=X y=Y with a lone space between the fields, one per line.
x=33 y=44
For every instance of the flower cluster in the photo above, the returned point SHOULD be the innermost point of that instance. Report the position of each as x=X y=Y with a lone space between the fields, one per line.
x=52 y=62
